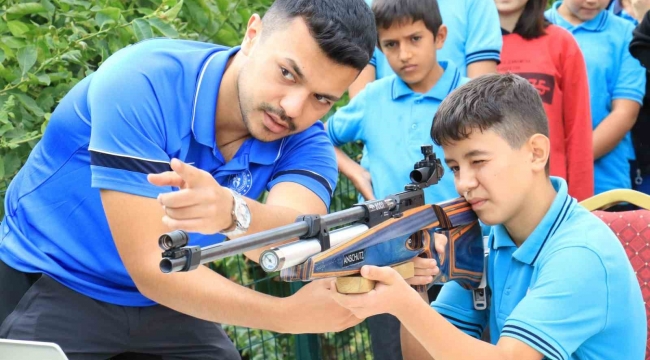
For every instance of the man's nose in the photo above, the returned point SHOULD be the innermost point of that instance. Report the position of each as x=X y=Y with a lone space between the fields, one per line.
x=293 y=103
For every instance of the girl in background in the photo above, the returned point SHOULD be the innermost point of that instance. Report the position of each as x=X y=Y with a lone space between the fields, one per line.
x=549 y=57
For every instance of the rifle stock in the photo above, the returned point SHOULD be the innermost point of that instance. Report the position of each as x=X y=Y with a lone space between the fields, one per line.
x=401 y=239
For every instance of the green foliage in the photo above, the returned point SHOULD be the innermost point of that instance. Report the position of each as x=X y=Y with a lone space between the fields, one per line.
x=48 y=46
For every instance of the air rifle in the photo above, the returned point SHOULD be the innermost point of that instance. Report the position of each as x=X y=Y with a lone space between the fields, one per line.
x=384 y=232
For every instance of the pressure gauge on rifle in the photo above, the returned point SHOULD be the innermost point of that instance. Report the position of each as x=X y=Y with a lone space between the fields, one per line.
x=270 y=261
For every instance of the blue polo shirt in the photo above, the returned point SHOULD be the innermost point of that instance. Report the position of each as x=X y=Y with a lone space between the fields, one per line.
x=473 y=34
x=613 y=74
x=393 y=122
x=569 y=290
x=146 y=104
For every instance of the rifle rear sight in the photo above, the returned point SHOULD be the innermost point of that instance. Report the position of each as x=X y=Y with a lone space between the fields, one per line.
x=427 y=171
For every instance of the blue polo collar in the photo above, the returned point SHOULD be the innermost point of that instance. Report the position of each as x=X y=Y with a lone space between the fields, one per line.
x=205 y=108
x=529 y=251
x=447 y=82
x=596 y=24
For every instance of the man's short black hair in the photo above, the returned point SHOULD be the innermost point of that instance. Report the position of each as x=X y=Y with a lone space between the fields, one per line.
x=504 y=103
x=388 y=12
x=344 y=29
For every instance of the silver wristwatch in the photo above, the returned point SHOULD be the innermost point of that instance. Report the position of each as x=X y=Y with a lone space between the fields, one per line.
x=241 y=216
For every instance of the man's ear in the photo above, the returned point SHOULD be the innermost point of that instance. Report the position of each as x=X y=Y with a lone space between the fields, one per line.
x=441 y=37
x=252 y=34
x=540 y=150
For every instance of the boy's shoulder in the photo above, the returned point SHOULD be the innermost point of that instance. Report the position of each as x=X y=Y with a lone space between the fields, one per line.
x=378 y=93
x=381 y=86
x=583 y=229
x=617 y=25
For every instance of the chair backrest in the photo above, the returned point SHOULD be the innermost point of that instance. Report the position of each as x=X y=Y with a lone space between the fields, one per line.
x=633 y=230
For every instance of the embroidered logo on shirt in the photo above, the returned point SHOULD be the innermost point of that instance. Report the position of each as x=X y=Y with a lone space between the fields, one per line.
x=241 y=182
x=544 y=83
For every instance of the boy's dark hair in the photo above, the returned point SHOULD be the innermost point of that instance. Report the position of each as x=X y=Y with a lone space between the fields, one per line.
x=532 y=23
x=388 y=12
x=504 y=103
x=344 y=29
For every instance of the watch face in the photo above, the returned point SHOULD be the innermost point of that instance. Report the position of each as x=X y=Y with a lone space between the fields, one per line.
x=243 y=215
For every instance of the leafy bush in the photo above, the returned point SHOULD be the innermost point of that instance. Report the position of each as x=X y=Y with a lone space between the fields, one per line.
x=46 y=47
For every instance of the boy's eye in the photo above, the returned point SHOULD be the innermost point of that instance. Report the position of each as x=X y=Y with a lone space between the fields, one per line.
x=454 y=169
x=417 y=38
x=322 y=99
x=389 y=44
x=478 y=162
x=286 y=74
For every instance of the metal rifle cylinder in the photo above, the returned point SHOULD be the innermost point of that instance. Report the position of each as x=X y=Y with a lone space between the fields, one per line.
x=268 y=237
x=297 y=252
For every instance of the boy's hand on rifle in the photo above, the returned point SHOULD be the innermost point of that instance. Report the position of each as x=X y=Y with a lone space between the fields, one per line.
x=391 y=295
x=201 y=205
x=425 y=270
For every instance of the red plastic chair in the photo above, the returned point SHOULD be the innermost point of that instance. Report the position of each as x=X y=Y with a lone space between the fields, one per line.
x=633 y=230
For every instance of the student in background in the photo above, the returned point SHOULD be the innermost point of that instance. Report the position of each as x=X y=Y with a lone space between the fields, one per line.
x=616 y=84
x=640 y=49
x=560 y=283
x=473 y=42
x=549 y=57
x=391 y=117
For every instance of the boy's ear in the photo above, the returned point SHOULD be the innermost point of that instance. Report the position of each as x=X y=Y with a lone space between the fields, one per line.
x=540 y=150
x=252 y=34
x=439 y=39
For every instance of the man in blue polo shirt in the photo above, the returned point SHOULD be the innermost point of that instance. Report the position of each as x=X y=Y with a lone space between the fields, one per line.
x=616 y=85
x=78 y=247
x=473 y=42
x=559 y=284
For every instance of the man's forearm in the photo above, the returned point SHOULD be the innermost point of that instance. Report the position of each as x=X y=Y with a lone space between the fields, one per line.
x=201 y=293
x=204 y=294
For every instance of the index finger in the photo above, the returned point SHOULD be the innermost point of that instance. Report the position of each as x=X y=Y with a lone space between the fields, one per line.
x=181 y=198
x=191 y=175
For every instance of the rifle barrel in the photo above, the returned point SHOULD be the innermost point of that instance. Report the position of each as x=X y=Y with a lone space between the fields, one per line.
x=264 y=238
